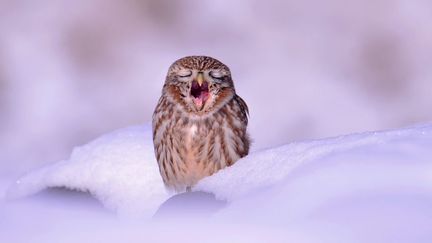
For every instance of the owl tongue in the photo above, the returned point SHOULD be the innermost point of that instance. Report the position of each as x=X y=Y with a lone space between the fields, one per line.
x=200 y=100
x=199 y=93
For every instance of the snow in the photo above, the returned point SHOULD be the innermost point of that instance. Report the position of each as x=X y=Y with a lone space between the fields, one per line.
x=119 y=169
x=365 y=187
x=370 y=187
x=270 y=166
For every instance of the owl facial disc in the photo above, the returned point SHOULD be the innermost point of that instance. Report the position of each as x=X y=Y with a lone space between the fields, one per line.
x=199 y=93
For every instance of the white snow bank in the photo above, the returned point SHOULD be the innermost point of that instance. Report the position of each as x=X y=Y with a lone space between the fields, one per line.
x=368 y=187
x=404 y=147
x=119 y=169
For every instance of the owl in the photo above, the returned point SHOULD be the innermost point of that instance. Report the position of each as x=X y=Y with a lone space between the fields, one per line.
x=199 y=124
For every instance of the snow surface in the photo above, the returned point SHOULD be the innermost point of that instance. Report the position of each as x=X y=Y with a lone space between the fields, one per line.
x=119 y=169
x=366 y=187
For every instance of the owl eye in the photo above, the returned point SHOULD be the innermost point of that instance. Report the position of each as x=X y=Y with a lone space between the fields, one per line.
x=216 y=74
x=184 y=73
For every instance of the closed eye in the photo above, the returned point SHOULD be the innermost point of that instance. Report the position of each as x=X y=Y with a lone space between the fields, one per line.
x=216 y=74
x=184 y=73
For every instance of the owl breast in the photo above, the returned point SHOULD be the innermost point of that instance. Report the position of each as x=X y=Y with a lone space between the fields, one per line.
x=189 y=149
x=198 y=163
x=198 y=151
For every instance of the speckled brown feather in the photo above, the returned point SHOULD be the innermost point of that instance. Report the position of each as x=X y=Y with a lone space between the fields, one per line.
x=190 y=144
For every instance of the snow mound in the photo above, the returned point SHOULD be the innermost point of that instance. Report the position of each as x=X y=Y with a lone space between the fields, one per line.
x=119 y=169
x=368 y=187
x=269 y=167
x=374 y=182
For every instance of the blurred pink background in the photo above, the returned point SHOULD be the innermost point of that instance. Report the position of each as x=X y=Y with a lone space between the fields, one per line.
x=73 y=70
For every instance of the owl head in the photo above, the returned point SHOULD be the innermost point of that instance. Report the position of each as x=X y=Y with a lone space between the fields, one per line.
x=200 y=84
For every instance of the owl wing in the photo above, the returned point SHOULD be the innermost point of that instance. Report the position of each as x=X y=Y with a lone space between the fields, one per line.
x=244 y=110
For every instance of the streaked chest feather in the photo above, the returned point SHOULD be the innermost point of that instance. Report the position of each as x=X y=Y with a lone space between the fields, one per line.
x=189 y=148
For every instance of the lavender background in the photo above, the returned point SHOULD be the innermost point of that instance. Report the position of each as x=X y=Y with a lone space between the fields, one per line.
x=72 y=70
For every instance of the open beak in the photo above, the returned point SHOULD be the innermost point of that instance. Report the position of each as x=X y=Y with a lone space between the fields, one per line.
x=200 y=91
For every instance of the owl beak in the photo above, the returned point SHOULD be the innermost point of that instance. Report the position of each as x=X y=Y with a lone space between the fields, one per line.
x=200 y=79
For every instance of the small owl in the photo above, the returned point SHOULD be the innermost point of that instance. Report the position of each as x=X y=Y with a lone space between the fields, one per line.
x=199 y=124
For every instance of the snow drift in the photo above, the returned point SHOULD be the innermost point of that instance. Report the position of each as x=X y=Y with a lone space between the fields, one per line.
x=366 y=187
x=119 y=169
